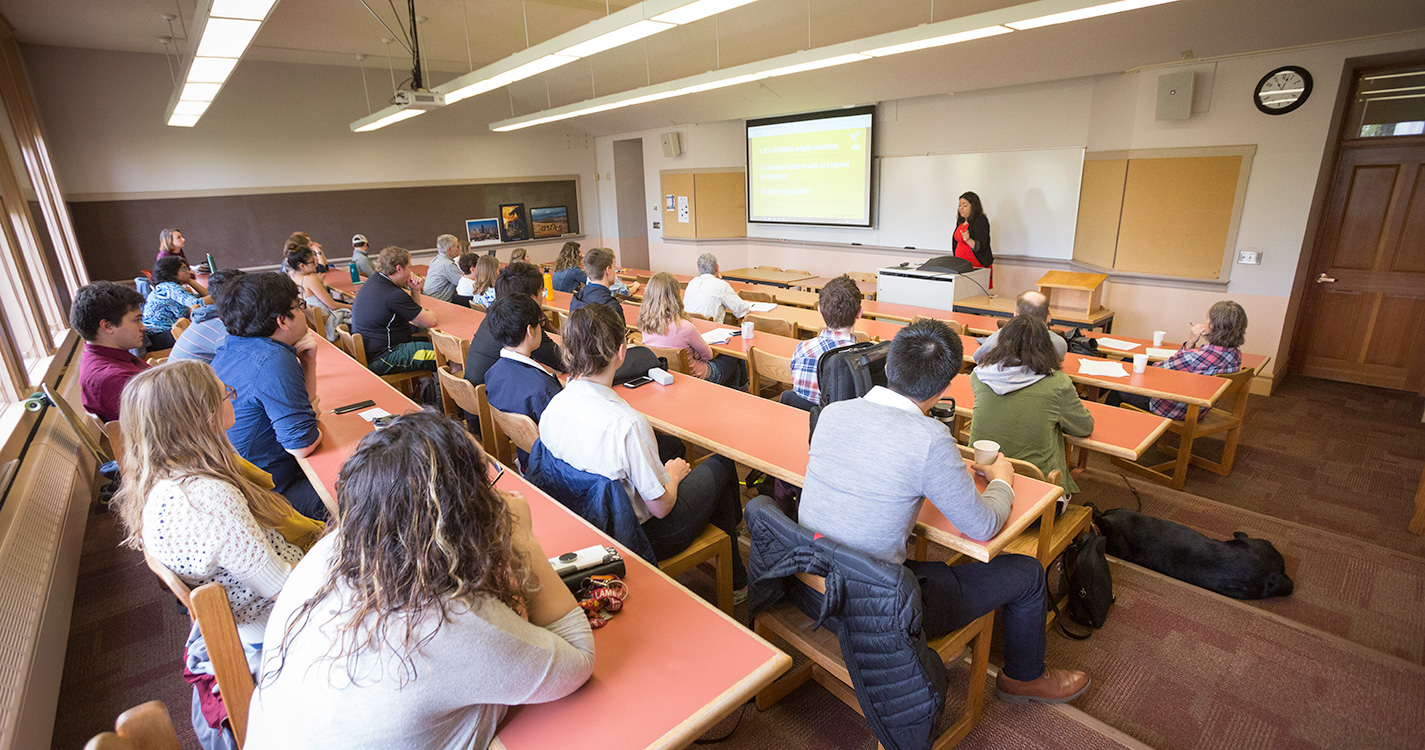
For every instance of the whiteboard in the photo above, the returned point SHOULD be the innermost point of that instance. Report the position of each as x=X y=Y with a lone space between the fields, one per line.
x=1031 y=197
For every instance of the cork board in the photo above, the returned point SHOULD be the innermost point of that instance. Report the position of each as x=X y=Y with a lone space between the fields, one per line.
x=1177 y=216
x=678 y=186
x=1100 y=207
x=721 y=204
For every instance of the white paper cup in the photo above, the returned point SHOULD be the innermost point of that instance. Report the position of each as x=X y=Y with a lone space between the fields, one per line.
x=1158 y=337
x=1140 y=362
x=985 y=451
x=748 y=330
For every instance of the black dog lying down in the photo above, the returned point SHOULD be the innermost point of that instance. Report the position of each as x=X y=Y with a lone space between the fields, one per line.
x=1241 y=567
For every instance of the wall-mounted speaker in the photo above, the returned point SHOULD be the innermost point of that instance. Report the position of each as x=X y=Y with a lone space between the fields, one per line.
x=672 y=144
x=1175 y=95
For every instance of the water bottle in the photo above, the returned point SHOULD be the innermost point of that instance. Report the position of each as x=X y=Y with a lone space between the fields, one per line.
x=548 y=285
x=355 y=274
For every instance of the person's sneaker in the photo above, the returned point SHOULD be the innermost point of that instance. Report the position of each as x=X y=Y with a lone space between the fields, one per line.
x=739 y=595
x=1054 y=686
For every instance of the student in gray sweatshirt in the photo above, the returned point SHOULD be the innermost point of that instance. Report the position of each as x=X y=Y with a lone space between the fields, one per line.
x=875 y=459
x=403 y=627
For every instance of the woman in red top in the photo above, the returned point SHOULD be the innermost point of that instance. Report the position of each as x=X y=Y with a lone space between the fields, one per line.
x=972 y=233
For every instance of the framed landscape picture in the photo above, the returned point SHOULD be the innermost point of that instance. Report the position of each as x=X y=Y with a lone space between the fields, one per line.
x=482 y=231
x=552 y=221
x=514 y=225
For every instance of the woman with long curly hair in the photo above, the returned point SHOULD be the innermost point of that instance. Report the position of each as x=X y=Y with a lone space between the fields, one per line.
x=569 y=269
x=426 y=611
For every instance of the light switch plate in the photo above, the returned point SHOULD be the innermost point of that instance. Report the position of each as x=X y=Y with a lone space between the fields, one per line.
x=655 y=225
x=1249 y=257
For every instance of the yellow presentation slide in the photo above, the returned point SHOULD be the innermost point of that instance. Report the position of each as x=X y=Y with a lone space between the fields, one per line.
x=813 y=171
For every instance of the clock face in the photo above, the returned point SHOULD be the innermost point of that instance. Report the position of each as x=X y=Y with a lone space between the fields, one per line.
x=1282 y=90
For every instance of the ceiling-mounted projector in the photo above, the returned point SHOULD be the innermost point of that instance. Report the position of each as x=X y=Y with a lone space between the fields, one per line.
x=422 y=100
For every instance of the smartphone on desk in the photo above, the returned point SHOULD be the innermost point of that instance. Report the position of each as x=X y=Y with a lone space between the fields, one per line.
x=638 y=382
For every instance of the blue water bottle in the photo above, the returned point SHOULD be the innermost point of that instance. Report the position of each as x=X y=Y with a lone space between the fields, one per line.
x=355 y=275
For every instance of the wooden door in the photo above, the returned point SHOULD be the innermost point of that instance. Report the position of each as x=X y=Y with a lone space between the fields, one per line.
x=1366 y=294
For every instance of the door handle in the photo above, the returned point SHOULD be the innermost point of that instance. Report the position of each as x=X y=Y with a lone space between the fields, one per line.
x=1324 y=279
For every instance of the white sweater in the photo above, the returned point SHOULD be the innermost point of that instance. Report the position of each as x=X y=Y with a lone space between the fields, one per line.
x=486 y=657
x=202 y=530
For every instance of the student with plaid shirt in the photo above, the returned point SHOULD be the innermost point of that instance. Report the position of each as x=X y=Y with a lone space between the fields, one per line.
x=1213 y=349
x=840 y=305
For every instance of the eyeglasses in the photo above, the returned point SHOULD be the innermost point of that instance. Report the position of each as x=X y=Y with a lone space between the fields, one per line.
x=231 y=393
x=300 y=305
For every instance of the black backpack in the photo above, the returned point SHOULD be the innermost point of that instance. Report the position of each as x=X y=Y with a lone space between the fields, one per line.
x=1087 y=582
x=848 y=372
x=1081 y=344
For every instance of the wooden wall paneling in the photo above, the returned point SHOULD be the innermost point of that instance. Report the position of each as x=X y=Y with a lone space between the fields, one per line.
x=1100 y=208
x=1177 y=215
x=120 y=237
x=721 y=204
x=678 y=185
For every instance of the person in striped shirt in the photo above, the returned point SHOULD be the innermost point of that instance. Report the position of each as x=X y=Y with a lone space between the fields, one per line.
x=840 y=305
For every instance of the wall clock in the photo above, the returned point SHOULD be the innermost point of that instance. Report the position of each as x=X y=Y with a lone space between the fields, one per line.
x=1283 y=90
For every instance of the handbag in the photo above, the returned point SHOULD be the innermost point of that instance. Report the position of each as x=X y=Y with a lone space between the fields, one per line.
x=1088 y=581
x=1081 y=344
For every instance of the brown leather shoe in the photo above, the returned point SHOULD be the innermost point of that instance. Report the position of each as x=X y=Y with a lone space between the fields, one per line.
x=1054 y=686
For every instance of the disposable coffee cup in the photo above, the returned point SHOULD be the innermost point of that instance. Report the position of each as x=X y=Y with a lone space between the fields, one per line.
x=748 y=330
x=1140 y=362
x=1158 y=337
x=985 y=451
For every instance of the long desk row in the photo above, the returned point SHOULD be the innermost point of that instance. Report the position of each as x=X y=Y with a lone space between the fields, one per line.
x=668 y=667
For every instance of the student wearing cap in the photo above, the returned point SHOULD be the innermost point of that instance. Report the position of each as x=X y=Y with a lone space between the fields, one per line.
x=359 y=256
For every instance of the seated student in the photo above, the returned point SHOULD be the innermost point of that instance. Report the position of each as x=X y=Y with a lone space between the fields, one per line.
x=662 y=322
x=590 y=428
x=1030 y=304
x=170 y=243
x=840 y=305
x=709 y=296
x=477 y=280
x=1025 y=402
x=301 y=267
x=207 y=335
x=383 y=314
x=1212 y=349
x=191 y=504
x=519 y=279
x=568 y=269
x=443 y=276
x=516 y=383
x=420 y=639
x=519 y=254
x=599 y=268
x=169 y=300
x=302 y=239
x=874 y=460
x=268 y=363
x=360 y=257
x=109 y=317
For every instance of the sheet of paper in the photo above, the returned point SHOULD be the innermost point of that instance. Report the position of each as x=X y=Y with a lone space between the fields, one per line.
x=1164 y=353
x=1118 y=344
x=761 y=307
x=683 y=215
x=718 y=335
x=1097 y=369
x=373 y=413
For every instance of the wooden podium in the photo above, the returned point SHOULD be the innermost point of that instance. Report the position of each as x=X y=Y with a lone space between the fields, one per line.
x=1078 y=293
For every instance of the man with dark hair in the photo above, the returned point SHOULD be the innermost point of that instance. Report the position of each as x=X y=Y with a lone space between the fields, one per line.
x=517 y=383
x=1030 y=304
x=385 y=307
x=207 y=334
x=518 y=279
x=269 y=360
x=109 y=317
x=599 y=267
x=874 y=460
x=840 y=305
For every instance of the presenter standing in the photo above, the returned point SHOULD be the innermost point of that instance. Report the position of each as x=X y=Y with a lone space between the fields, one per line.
x=972 y=233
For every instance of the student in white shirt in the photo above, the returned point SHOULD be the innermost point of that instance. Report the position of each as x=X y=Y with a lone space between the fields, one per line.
x=709 y=295
x=590 y=428
x=427 y=611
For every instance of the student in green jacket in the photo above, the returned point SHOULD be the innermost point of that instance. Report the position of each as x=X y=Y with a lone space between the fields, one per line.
x=1024 y=402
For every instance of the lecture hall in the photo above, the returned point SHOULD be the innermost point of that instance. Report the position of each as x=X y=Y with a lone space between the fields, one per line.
x=755 y=374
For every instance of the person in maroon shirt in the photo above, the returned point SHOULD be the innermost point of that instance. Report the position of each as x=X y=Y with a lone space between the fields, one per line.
x=109 y=317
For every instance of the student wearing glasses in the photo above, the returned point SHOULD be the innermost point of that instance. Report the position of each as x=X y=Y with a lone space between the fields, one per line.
x=270 y=358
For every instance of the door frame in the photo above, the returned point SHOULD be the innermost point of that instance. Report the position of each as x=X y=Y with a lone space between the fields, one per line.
x=1296 y=331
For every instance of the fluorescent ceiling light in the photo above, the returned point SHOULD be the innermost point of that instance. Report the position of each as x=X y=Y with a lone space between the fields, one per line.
x=226 y=37
x=191 y=108
x=698 y=10
x=383 y=118
x=650 y=98
x=1080 y=14
x=710 y=85
x=616 y=38
x=183 y=121
x=252 y=10
x=211 y=69
x=816 y=64
x=534 y=68
x=939 y=41
x=199 y=92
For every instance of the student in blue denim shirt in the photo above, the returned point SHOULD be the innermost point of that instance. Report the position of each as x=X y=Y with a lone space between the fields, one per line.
x=266 y=360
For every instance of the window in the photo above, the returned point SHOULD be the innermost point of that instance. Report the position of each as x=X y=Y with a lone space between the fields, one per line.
x=1388 y=104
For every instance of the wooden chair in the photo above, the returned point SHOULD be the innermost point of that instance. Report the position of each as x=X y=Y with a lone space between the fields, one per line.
x=171 y=581
x=477 y=307
x=116 y=438
x=1199 y=424
x=179 y=327
x=317 y=320
x=861 y=336
x=794 y=270
x=356 y=349
x=750 y=296
x=775 y=326
x=450 y=350
x=146 y=726
x=715 y=546
x=457 y=395
x=154 y=359
x=514 y=428
x=215 y=620
x=767 y=370
x=699 y=316
x=954 y=326
x=767 y=268
x=826 y=666
x=677 y=358
x=862 y=276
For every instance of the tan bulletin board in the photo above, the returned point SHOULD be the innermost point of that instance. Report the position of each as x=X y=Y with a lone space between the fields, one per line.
x=679 y=186
x=1169 y=212
x=717 y=203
